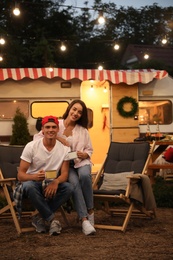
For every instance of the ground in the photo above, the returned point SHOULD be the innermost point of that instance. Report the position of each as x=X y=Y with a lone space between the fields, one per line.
x=143 y=239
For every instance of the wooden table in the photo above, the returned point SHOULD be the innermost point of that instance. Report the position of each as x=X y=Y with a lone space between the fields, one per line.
x=152 y=167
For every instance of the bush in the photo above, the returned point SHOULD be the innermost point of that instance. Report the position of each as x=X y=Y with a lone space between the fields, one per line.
x=20 y=131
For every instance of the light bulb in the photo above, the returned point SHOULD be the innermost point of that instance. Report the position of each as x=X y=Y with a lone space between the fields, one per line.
x=164 y=41
x=105 y=90
x=1 y=58
x=2 y=41
x=116 y=46
x=16 y=11
x=146 y=56
x=101 y=20
x=63 y=47
x=100 y=67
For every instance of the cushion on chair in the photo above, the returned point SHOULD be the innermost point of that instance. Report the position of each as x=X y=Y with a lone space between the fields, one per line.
x=117 y=181
x=168 y=155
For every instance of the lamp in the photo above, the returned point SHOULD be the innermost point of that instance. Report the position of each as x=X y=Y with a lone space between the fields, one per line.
x=105 y=90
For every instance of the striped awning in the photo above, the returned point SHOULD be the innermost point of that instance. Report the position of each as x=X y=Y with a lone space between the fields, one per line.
x=115 y=76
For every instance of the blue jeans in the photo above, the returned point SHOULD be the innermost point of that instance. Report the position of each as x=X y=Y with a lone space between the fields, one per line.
x=81 y=180
x=47 y=207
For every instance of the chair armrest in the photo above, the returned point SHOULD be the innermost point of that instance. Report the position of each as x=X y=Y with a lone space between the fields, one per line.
x=137 y=177
x=98 y=176
x=132 y=178
x=8 y=181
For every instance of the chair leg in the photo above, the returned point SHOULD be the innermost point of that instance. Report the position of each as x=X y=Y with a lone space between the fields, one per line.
x=10 y=206
x=64 y=216
x=127 y=218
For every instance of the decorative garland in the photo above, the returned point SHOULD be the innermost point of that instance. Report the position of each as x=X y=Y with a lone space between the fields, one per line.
x=120 y=107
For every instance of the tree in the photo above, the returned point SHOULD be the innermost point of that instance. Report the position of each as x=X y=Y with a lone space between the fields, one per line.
x=20 y=132
x=34 y=38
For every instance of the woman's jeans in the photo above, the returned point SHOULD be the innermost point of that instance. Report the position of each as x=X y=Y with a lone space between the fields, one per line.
x=81 y=180
x=47 y=207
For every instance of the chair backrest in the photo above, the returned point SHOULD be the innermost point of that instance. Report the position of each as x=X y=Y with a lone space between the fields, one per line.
x=126 y=157
x=10 y=159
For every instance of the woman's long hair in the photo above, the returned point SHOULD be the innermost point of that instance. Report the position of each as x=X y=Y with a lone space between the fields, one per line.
x=83 y=120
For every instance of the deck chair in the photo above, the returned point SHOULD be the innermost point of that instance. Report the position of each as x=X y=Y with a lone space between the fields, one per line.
x=9 y=161
x=121 y=180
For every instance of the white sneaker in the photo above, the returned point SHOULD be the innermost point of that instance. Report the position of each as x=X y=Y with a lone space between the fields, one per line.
x=91 y=219
x=87 y=228
x=55 y=228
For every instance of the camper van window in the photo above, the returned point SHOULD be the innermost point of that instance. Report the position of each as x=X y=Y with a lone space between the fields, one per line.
x=43 y=108
x=8 y=108
x=155 y=112
x=40 y=109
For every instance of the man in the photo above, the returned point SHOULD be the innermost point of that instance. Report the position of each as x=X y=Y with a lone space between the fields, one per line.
x=38 y=157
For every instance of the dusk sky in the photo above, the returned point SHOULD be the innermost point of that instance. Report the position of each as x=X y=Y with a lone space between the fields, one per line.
x=125 y=3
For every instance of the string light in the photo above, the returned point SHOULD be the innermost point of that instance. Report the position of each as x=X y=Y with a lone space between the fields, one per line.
x=16 y=10
x=50 y=69
x=116 y=46
x=164 y=41
x=101 y=19
x=2 y=41
x=146 y=56
x=63 y=47
x=100 y=67
x=1 y=58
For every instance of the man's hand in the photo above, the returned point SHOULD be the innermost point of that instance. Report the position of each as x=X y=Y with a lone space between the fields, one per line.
x=51 y=189
x=40 y=176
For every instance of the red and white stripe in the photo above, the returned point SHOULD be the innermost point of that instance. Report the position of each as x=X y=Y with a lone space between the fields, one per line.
x=115 y=76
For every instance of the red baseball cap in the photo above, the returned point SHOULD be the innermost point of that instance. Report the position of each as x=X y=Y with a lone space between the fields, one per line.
x=47 y=119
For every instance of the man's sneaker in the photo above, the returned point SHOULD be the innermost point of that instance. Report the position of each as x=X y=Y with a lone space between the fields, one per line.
x=91 y=219
x=39 y=224
x=55 y=228
x=87 y=228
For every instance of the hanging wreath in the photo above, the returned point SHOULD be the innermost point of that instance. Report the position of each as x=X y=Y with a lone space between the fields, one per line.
x=134 y=107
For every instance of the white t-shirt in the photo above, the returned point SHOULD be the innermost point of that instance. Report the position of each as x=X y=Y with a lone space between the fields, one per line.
x=79 y=141
x=40 y=158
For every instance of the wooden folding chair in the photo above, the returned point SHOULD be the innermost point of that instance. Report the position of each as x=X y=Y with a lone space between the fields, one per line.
x=124 y=170
x=9 y=161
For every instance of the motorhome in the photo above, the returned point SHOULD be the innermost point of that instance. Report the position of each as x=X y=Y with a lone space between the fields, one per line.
x=39 y=92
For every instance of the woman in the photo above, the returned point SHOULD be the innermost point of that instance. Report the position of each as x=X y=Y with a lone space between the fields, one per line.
x=73 y=132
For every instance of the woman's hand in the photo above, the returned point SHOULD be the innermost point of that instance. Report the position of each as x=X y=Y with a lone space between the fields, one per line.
x=63 y=141
x=82 y=155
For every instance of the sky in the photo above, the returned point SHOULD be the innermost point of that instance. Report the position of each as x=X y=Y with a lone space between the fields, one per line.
x=125 y=3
